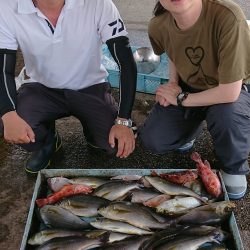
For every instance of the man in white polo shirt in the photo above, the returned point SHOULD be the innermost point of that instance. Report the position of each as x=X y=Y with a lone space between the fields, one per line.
x=61 y=45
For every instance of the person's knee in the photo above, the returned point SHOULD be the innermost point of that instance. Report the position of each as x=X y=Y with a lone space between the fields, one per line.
x=150 y=142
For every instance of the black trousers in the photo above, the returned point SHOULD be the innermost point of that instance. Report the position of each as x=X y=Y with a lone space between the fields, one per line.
x=94 y=106
x=168 y=128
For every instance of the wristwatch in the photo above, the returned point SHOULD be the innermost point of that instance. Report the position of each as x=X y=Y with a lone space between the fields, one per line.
x=181 y=97
x=124 y=122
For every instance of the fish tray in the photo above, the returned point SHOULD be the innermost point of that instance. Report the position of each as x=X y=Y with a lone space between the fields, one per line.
x=33 y=224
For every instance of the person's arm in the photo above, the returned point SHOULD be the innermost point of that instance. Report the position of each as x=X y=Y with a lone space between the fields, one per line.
x=120 y=50
x=112 y=31
x=223 y=93
x=172 y=85
x=16 y=130
x=7 y=81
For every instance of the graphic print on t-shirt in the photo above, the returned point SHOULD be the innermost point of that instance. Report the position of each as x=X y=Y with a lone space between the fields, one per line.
x=196 y=55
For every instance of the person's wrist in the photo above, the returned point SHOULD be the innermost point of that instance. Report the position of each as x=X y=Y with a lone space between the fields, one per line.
x=124 y=121
x=181 y=97
x=8 y=115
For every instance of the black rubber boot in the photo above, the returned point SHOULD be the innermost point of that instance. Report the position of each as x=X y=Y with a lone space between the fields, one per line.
x=41 y=159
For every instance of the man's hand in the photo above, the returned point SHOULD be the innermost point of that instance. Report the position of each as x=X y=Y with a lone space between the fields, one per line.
x=166 y=93
x=125 y=138
x=16 y=130
x=161 y=100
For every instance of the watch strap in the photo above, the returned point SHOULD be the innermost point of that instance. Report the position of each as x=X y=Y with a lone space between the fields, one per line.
x=124 y=122
x=181 y=97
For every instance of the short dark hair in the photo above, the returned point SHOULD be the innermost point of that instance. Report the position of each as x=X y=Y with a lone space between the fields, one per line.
x=158 y=9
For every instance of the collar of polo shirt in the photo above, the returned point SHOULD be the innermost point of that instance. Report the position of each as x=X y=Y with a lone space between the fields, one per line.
x=27 y=6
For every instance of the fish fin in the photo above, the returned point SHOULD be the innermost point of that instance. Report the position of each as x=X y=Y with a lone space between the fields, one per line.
x=104 y=238
x=207 y=164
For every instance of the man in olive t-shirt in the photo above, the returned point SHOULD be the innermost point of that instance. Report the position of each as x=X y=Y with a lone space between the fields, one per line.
x=208 y=44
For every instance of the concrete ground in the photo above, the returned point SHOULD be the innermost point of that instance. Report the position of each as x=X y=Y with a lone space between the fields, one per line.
x=16 y=187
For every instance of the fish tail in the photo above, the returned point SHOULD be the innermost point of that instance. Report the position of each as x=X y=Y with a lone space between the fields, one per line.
x=154 y=173
x=41 y=202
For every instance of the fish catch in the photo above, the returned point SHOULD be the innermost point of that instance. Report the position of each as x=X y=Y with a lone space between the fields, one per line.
x=73 y=243
x=209 y=178
x=118 y=226
x=83 y=205
x=66 y=191
x=181 y=177
x=169 y=188
x=57 y=183
x=48 y=234
x=132 y=214
x=115 y=190
x=57 y=217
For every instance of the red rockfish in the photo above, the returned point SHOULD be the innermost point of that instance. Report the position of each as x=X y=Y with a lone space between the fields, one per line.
x=66 y=191
x=209 y=178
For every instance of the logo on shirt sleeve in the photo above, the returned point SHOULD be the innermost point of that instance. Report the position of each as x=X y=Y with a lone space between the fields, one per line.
x=118 y=26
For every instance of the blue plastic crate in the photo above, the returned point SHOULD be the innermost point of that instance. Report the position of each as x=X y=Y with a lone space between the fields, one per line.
x=146 y=83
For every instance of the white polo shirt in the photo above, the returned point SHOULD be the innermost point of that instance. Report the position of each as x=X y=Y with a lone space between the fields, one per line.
x=69 y=58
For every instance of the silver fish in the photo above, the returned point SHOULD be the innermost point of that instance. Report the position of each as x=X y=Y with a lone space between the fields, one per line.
x=113 y=236
x=57 y=183
x=134 y=177
x=48 y=234
x=162 y=236
x=196 y=217
x=73 y=243
x=57 y=217
x=83 y=205
x=120 y=227
x=203 y=230
x=178 y=205
x=212 y=246
x=133 y=243
x=115 y=189
x=171 y=188
x=210 y=214
x=140 y=196
x=222 y=208
x=187 y=242
x=132 y=214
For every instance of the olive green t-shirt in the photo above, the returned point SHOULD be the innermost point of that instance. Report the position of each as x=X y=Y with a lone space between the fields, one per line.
x=216 y=49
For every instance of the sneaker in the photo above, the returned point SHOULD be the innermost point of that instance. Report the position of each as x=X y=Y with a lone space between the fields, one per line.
x=236 y=185
x=186 y=147
x=41 y=159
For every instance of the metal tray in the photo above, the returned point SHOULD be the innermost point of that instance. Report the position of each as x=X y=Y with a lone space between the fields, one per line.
x=32 y=224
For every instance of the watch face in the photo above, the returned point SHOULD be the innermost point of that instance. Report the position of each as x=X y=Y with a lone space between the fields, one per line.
x=128 y=123
x=180 y=96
